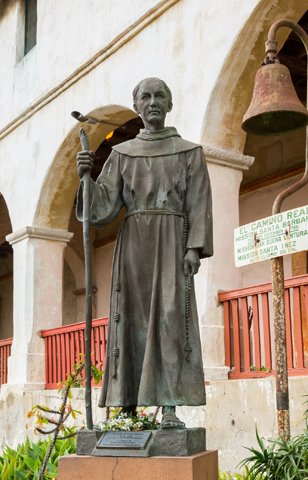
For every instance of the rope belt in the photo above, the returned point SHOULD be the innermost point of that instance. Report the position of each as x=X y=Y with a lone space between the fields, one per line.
x=117 y=287
x=156 y=212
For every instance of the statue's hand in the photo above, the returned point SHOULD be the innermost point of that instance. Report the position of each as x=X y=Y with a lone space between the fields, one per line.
x=85 y=161
x=191 y=261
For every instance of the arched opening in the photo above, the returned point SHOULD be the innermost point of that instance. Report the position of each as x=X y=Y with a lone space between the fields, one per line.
x=56 y=209
x=231 y=95
x=6 y=291
x=6 y=274
x=102 y=240
x=61 y=183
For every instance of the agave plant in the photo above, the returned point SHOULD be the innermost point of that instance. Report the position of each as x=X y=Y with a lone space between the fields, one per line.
x=281 y=459
x=25 y=462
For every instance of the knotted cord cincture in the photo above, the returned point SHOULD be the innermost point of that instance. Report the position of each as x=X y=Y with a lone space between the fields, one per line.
x=116 y=350
x=188 y=347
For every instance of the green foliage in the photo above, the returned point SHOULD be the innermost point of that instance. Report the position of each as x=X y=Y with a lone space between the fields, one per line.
x=76 y=380
x=25 y=462
x=281 y=459
x=96 y=373
x=261 y=369
x=245 y=475
x=224 y=475
x=56 y=421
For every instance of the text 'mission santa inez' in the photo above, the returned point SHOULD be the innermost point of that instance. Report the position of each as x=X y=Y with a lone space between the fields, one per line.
x=274 y=236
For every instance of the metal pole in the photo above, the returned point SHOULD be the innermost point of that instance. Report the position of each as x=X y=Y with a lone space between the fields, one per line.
x=88 y=273
x=282 y=389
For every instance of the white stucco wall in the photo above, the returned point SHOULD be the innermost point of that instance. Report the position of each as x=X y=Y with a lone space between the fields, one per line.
x=176 y=47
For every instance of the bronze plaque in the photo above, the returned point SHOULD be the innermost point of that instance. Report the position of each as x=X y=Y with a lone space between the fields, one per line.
x=129 y=440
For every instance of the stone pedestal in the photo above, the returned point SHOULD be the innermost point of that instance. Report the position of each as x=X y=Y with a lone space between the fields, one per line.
x=202 y=466
x=163 y=442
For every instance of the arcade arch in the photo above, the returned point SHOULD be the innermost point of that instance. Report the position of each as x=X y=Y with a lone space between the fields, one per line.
x=61 y=183
x=56 y=209
x=231 y=95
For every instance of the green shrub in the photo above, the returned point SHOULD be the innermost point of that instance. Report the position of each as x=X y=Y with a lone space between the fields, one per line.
x=281 y=459
x=245 y=475
x=24 y=463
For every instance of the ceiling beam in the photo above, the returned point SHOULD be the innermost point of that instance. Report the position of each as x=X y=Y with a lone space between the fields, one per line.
x=295 y=65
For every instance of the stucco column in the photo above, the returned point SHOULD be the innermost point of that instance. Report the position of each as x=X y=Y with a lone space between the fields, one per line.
x=38 y=292
x=218 y=272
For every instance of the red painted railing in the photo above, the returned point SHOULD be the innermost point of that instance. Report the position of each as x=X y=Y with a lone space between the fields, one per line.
x=5 y=352
x=64 y=344
x=249 y=332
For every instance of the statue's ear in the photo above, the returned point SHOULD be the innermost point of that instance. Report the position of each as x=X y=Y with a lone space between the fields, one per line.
x=170 y=105
x=136 y=108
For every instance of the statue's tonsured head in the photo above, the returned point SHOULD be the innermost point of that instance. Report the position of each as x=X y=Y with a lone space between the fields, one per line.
x=152 y=101
x=155 y=81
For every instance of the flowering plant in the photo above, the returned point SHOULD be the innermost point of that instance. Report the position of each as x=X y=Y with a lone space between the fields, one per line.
x=57 y=420
x=120 y=421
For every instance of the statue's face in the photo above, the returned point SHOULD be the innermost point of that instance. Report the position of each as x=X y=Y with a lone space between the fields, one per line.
x=153 y=103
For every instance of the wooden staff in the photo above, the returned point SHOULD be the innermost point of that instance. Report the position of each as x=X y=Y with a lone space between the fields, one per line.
x=88 y=274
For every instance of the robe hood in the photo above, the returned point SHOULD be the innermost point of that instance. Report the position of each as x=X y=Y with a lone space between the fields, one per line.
x=155 y=144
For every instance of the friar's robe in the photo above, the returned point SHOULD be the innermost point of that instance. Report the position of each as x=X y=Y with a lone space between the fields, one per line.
x=164 y=178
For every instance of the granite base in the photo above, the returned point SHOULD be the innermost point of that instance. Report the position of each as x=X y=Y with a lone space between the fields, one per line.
x=202 y=466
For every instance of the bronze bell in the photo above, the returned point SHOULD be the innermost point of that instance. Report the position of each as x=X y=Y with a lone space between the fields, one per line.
x=275 y=108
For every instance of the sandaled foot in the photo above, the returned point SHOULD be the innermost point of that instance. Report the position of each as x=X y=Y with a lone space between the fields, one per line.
x=170 y=420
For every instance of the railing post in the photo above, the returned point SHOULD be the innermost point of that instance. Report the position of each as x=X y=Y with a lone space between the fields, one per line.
x=227 y=329
x=246 y=335
x=64 y=344
x=5 y=353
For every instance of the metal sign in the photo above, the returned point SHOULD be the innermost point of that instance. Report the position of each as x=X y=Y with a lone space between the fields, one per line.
x=271 y=237
x=128 y=440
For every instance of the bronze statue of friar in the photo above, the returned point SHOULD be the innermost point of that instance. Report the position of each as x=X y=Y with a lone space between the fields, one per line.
x=153 y=349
